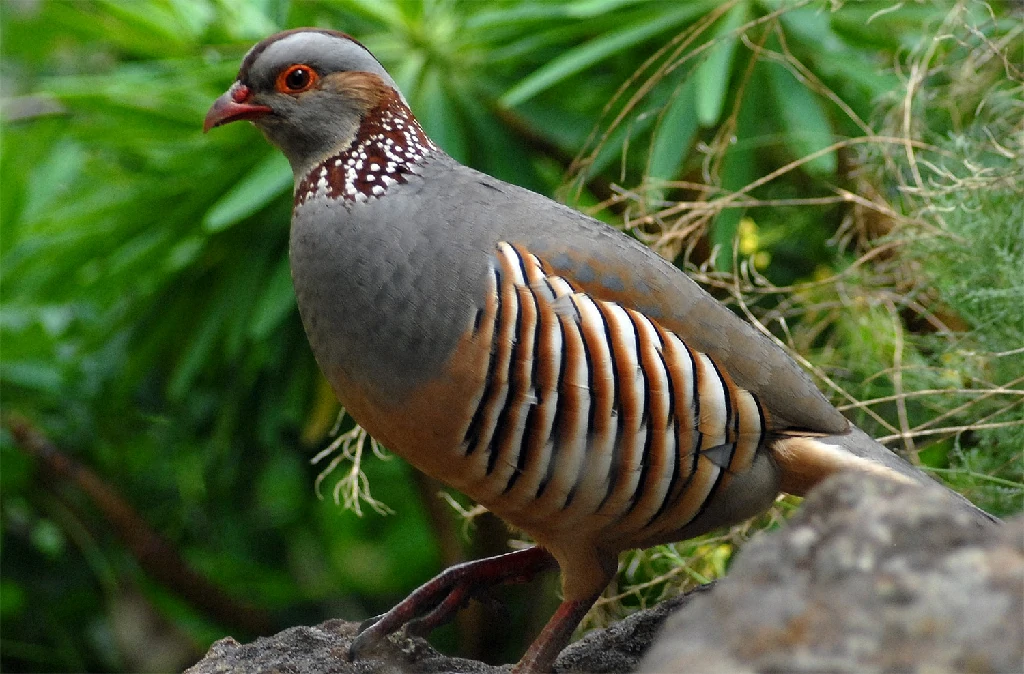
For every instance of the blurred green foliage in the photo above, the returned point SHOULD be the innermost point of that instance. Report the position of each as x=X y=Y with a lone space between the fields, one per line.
x=148 y=323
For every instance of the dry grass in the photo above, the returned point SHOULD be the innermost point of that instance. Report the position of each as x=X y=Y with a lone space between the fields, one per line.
x=897 y=156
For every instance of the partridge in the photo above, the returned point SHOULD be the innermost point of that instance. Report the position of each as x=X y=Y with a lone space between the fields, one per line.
x=548 y=366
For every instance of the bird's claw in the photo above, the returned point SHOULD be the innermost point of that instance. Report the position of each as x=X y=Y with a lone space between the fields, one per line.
x=438 y=600
x=369 y=622
x=428 y=607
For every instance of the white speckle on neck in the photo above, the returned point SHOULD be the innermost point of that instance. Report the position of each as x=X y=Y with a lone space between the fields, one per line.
x=389 y=145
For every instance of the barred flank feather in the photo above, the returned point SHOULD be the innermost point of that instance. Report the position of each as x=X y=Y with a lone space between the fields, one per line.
x=594 y=409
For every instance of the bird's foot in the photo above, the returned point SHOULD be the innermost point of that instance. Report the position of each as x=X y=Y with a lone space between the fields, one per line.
x=438 y=600
x=541 y=655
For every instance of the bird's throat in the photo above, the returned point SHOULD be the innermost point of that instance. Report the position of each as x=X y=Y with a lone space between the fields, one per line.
x=388 y=146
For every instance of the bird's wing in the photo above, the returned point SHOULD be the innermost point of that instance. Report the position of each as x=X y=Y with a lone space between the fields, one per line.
x=594 y=408
x=608 y=265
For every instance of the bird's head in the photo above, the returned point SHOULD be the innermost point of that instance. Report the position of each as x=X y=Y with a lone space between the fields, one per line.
x=307 y=90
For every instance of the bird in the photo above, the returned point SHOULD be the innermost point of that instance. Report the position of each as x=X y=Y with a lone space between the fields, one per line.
x=547 y=365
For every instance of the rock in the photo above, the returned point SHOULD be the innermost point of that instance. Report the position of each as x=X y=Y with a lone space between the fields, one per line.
x=869 y=576
x=323 y=649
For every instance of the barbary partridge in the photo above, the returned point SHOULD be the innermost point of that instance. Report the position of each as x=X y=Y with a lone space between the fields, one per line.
x=548 y=366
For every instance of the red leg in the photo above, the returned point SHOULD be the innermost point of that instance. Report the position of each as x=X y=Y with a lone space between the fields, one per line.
x=541 y=654
x=437 y=600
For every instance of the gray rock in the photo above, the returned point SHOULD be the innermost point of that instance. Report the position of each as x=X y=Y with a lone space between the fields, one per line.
x=870 y=576
x=322 y=649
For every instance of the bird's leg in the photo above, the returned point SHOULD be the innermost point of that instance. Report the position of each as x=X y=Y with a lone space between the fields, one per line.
x=541 y=655
x=437 y=600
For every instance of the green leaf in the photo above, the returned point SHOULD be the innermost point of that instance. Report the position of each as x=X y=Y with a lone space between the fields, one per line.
x=268 y=180
x=195 y=354
x=387 y=13
x=440 y=115
x=524 y=46
x=502 y=155
x=33 y=375
x=612 y=148
x=598 y=49
x=807 y=129
x=48 y=538
x=526 y=13
x=712 y=76
x=723 y=233
x=863 y=25
x=140 y=28
x=245 y=20
x=852 y=68
x=184 y=253
x=56 y=171
x=812 y=26
x=674 y=134
x=590 y=8
x=277 y=302
x=12 y=598
x=738 y=170
x=408 y=71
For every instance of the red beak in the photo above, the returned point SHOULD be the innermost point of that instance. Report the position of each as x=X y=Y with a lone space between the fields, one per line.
x=232 y=106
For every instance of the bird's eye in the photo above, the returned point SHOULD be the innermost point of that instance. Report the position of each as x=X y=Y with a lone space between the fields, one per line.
x=296 y=79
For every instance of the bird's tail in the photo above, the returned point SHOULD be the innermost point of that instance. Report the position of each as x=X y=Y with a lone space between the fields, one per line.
x=805 y=461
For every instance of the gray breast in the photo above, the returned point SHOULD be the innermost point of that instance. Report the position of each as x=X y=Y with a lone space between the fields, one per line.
x=385 y=287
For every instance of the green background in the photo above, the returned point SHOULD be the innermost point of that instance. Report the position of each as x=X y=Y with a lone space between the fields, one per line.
x=848 y=173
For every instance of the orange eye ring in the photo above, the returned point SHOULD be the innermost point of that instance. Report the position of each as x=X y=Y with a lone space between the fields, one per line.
x=295 y=79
